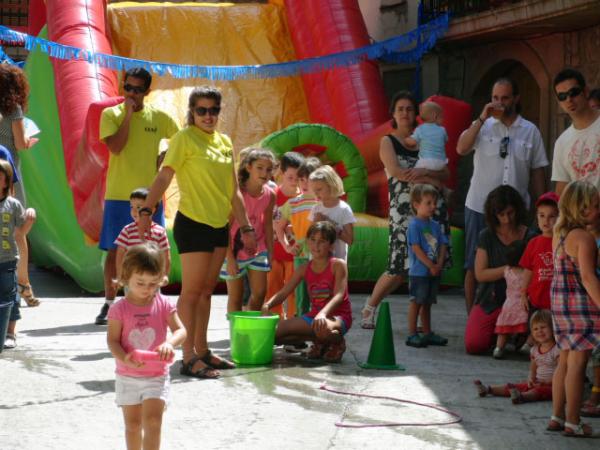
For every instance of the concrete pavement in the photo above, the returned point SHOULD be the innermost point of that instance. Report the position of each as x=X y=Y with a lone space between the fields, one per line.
x=59 y=390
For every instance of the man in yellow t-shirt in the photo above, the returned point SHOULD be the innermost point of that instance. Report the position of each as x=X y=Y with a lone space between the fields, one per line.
x=132 y=132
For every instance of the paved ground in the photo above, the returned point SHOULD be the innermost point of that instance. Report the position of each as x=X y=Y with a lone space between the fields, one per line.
x=59 y=390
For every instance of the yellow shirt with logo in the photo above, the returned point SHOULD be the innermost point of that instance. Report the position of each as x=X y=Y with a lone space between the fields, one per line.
x=203 y=164
x=135 y=166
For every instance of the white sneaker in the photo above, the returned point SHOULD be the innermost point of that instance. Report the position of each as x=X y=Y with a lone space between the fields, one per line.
x=10 y=342
x=525 y=349
x=498 y=353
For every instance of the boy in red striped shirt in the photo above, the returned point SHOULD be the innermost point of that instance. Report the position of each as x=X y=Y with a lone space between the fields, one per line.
x=130 y=235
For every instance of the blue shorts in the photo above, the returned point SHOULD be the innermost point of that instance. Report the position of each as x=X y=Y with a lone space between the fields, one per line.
x=117 y=214
x=309 y=320
x=423 y=290
x=8 y=288
x=259 y=263
x=474 y=223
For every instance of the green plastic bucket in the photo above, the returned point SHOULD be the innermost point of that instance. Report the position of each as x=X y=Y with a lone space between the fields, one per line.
x=252 y=337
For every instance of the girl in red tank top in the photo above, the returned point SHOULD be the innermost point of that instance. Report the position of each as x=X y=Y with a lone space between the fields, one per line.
x=254 y=173
x=330 y=316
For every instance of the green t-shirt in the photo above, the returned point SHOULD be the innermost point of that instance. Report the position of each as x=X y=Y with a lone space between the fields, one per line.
x=203 y=164
x=135 y=166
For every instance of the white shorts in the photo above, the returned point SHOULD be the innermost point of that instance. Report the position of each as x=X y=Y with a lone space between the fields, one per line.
x=431 y=164
x=134 y=390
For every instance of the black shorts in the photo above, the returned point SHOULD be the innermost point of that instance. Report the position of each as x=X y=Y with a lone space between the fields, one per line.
x=191 y=236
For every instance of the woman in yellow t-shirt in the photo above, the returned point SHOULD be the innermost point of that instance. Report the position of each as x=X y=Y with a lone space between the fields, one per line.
x=202 y=158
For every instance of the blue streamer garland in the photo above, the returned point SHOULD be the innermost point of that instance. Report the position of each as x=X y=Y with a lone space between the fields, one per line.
x=416 y=42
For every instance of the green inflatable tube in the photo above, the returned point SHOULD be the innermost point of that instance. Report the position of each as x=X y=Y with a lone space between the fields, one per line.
x=332 y=147
x=56 y=238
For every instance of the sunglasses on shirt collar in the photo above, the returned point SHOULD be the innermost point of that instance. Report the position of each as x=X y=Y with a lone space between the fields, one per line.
x=504 y=147
x=212 y=111
x=573 y=92
x=134 y=89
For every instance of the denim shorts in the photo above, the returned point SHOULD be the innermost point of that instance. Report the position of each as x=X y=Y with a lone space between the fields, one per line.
x=133 y=390
x=423 y=290
x=309 y=320
x=474 y=223
x=117 y=214
x=8 y=288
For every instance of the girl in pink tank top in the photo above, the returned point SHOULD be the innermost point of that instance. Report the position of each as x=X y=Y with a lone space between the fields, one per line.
x=330 y=316
x=254 y=173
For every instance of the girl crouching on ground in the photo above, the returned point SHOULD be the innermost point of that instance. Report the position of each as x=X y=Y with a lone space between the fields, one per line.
x=139 y=322
x=330 y=315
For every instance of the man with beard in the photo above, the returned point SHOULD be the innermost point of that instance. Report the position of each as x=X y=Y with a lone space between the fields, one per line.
x=132 y=131
x=577 y=149
x=508 y=150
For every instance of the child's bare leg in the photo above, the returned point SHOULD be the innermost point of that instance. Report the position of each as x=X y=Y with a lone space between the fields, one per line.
x=133 y=426
x=425 y=315
x=575 y=373
x=293 y=330
x=413 y=314
x=501 y=340
x=152 y=412
x=235 y=294
x=258 y=288
x=558 y=385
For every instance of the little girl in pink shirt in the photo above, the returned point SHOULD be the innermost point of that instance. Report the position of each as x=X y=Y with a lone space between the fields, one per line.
x=139 y=321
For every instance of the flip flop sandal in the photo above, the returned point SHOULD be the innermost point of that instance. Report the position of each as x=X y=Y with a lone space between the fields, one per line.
x=206 y=373
x=368 y=322
x=556 y=424
x=30 y=299
x=222 y=363
x=581 y=430
x=590 y=410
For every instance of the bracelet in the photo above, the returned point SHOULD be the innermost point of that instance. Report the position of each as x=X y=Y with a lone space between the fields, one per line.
x=247 y=229
x=145 y=211
x=481 y=120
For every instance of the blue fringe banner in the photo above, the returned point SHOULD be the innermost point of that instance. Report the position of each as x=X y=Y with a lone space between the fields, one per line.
x=406 y=48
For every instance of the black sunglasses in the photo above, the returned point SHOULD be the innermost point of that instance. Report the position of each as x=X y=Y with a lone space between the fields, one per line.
x=504 y=147
x=134 y=89
x=212 y=111
x=573 y=92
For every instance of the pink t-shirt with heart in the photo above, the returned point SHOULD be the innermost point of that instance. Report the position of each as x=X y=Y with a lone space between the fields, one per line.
x=143 y=328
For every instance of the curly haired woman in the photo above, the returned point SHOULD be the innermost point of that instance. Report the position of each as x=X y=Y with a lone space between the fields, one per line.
x=14 y=90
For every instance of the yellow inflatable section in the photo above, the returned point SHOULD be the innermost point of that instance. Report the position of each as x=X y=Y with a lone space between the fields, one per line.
x=212 y=35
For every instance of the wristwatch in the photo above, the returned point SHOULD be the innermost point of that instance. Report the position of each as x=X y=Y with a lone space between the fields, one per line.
x=145 y=211
x=247 y=229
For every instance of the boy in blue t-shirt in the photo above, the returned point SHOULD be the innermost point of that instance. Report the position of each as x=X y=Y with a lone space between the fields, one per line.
x=427 y=246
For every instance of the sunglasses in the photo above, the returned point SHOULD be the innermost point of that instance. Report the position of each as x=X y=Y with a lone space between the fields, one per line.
x=573 y=92
x=212 y=111
x=504 y=147
x=134 y=89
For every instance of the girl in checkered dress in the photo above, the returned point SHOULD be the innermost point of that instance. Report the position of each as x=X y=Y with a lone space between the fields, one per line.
x=575 y=298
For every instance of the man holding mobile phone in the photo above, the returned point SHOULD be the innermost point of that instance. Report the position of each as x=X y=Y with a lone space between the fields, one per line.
x=132 y=131
x=508 y=151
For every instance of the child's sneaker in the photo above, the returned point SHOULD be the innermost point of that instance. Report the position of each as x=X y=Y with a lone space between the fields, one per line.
x=316 y=350
x=515 y=395
x=498 y=353
x=435 y=339
x=416 y=340
x=482 y=390
x=335 y=352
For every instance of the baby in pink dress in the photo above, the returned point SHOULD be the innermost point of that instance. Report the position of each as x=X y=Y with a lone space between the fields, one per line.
x=513 y=317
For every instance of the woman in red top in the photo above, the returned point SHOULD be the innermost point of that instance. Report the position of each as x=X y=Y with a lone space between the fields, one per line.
x=330 y=315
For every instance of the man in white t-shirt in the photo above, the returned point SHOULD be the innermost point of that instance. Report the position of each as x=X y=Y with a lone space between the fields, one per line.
x=577 y=149
x=508 y=150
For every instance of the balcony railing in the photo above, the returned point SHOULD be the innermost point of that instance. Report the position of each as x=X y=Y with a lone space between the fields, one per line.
x=430 y=9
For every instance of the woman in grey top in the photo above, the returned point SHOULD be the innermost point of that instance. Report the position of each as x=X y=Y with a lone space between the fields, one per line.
x=14 y=90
